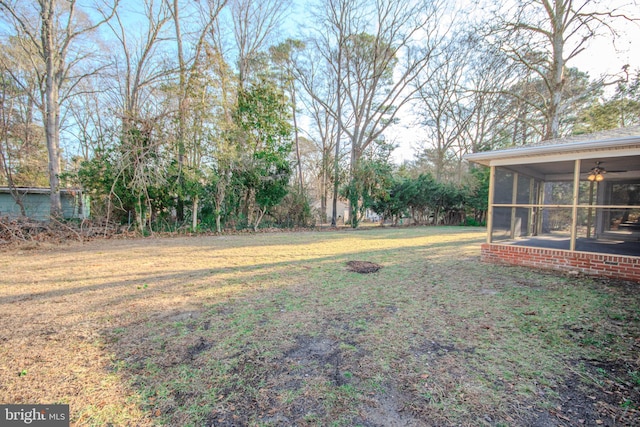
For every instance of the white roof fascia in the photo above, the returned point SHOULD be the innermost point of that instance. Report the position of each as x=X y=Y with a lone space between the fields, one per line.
x=627 y=146
x=570 y=156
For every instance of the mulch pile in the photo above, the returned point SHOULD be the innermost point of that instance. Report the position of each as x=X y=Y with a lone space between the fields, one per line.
x=363 y=267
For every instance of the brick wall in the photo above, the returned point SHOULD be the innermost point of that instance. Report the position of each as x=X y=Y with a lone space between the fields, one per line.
x=594 y=264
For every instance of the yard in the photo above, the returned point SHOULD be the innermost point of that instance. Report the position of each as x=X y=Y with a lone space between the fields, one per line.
x=276 y=330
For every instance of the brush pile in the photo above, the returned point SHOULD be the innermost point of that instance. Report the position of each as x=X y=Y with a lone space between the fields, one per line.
x=22 y=229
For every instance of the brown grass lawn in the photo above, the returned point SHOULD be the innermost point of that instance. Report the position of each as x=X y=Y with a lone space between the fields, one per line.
x=276 y=330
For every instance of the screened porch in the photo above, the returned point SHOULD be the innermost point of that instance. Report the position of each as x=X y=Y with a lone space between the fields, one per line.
x=580 y=193
x=590 y=205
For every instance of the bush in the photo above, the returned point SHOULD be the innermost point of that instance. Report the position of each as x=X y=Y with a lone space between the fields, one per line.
x=471 y=222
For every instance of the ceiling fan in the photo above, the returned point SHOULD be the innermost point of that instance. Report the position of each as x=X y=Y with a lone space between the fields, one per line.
x=597 y=172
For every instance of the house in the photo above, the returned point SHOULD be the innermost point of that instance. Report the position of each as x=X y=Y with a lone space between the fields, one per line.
x=568 y=204
x=342 y=209
x=37 y=203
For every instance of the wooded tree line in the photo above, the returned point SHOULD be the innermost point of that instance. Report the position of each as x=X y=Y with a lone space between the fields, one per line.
x=218 y=113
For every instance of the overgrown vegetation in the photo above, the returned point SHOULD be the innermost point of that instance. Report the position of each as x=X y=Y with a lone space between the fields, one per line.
x=192 y=331
x=212 y=115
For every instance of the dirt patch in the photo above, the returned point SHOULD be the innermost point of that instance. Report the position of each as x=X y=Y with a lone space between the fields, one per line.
x=293 y=390
x=363 y=267
x=313 y=356
x=387 y=408
x=285 y=389
x=596 y=393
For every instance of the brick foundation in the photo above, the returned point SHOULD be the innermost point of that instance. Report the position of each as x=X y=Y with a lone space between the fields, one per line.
x=594 y=264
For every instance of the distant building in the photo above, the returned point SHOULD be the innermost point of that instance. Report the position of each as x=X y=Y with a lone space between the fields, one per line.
x=342 y=212
x=37 y=203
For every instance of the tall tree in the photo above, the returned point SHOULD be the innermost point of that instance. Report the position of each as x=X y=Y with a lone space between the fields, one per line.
x=50 y=36
x=265 y=138
x=336 y=20
x=189 y=76
x=324 y=130
x=487 y=73
x=544 y=36
x=283 y=57
x=445 y=107
x=23 y=153
x=225 y=150
x=255 y=23
x=377 y=50
x=140 y=160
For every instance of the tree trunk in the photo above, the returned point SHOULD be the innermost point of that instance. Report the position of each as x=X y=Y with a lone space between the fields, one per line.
x=557 y=70
x=336 y=174
x=219 y=200
x=250 y=205
x=261 y=213
x=324 y=190
x=194 y=213
x=181 y=112
x=336 y=160
x=8 y=173
x=218 y=223
x=295 y=133
x=51 y=108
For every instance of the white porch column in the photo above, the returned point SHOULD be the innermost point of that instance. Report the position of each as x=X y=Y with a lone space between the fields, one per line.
x=514 y=200
x=574 y=207
x=492 y=181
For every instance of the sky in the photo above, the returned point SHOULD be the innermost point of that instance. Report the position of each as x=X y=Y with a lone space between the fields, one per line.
x=601 y=58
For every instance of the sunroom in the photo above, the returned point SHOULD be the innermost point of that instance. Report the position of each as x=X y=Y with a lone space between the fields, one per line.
x=570 y=204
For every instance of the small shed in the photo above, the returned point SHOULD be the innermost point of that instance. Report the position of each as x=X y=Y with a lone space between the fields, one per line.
x=37 y=203
x=567 y=204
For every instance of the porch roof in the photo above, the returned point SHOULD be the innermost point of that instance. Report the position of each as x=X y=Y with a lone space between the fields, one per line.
x=620 y=142
x=617 y=150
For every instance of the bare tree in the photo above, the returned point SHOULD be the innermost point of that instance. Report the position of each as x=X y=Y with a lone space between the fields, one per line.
x=23 y=152
x=139 y=71
x=224 y=150
x=462 y=103
x=7 y=113
x=544 y=36
x=49 y=35
x=445 y=107
x=487 y=73
x=255 y=23
x=377 y=50
x=137 y=59
x=316 y=79
x=321 y=73
x=189 y=84
x=283 y=56
x=336 y=20
x=92 y=128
